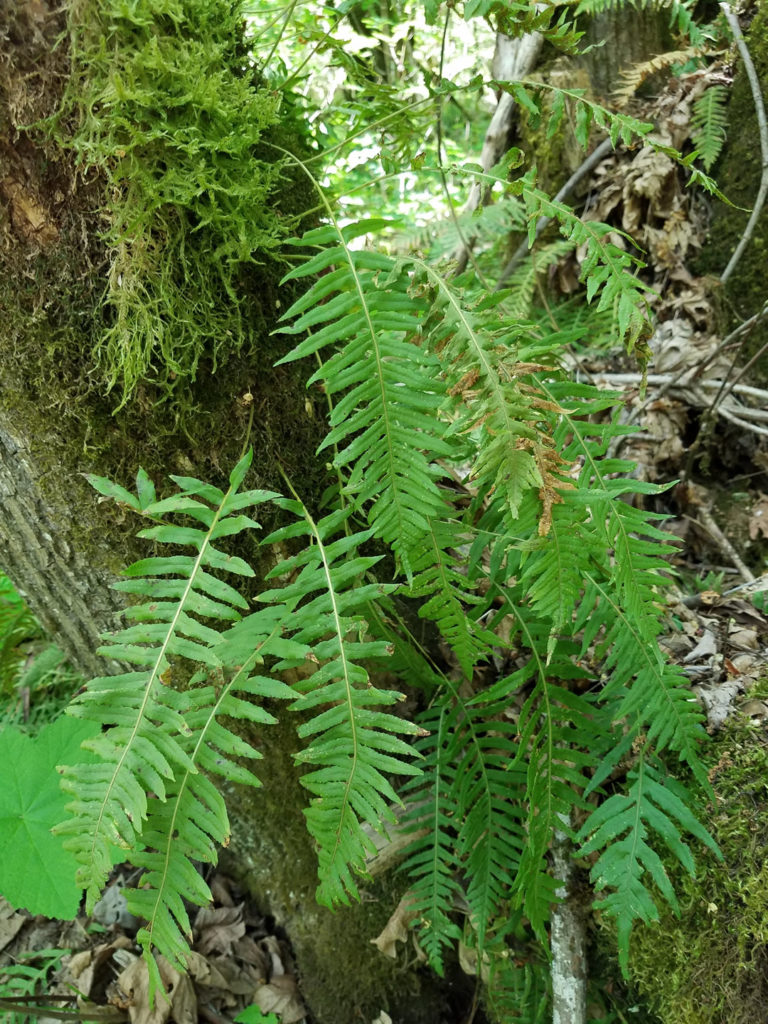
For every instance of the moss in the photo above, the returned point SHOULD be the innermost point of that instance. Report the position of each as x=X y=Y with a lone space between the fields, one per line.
x=738 y=174
x=161 y=104
x=711 y=964
x=57 y=251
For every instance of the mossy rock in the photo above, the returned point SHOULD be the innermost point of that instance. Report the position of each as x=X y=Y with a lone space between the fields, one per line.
x=146 y=220
x=710 y=964
x=343 y=976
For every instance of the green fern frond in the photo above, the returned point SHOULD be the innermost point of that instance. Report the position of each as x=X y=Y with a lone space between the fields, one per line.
x=560 y=741
x=147 y=742
x=431 y=860
x=709 y=123
x=520 y=287
x=17 y=624
x=440 y=581
x=620 y=828
x=614 y=599
x=353 y=744
x=586 y=113
x=466 y=815
x=606 y=270
x=493 y=401
x=386 y=421
x=192 y=820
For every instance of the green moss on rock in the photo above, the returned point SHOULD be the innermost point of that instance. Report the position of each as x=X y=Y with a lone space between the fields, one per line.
x=711 y=964
x=162 y=105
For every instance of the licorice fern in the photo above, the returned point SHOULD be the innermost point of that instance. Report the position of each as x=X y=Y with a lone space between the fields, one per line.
x=708 y=124
x=353 y=744
x=460 y=448
x=386 y=425
x=147 y=794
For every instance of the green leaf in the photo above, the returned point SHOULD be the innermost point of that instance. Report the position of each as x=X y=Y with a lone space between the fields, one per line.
x=36 y=872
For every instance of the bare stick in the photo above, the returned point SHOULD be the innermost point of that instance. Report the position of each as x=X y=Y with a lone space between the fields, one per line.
x=762 y=124
x=513 y=60
x=568 y=941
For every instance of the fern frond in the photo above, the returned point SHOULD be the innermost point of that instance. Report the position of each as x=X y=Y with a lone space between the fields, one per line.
x=385 y=424
x=17 y=623
x=497 y=403
x=144 y=747
x=440 y=581
x=355 y=744
x=635 y=75
x=614 y=599
x=520 y=287
x=192 y=820
x=431 y=860
x=620 y=828
x=560 y=741
x=709 y=123
x=473 y=787
x=586 y=112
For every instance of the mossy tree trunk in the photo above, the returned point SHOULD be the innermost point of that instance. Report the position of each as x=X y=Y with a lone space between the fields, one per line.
x=62 y=546
x=738 y=173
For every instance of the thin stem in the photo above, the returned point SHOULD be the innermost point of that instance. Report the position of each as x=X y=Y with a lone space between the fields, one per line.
x=762 y=125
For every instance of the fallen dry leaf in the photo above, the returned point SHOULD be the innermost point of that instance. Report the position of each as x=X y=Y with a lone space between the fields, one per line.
x=181 y=1004
x=218 y=928
x=281 y=996
x=10 y=923
x=396 y=929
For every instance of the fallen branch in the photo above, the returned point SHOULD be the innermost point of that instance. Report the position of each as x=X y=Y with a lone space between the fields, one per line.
x=695 y=394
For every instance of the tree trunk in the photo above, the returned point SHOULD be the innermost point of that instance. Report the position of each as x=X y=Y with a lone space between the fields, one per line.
x=62 y=546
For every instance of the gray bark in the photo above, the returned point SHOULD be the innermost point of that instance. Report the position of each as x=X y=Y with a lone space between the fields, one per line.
x=70 y=597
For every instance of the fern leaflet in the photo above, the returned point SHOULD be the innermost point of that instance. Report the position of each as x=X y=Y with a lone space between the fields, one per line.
x=386 y=423
x=147 y=794
x=352 y=743
x=709 y=123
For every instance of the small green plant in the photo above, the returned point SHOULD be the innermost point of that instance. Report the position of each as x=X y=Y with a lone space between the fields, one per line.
x=36 y=872
x=27 y=977
x=253 y=1015
x=17 y=625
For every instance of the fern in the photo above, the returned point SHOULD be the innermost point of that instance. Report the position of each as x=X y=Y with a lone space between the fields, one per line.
x=147 y=794
x=620 y=828
x=387 y=419
x=465 y=810
x=708 y=124
x=354 y=743
x=459 y=447
x=16 y=625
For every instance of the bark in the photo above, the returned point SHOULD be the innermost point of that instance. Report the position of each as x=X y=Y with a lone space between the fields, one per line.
x=71 y=598
x=513 y=59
